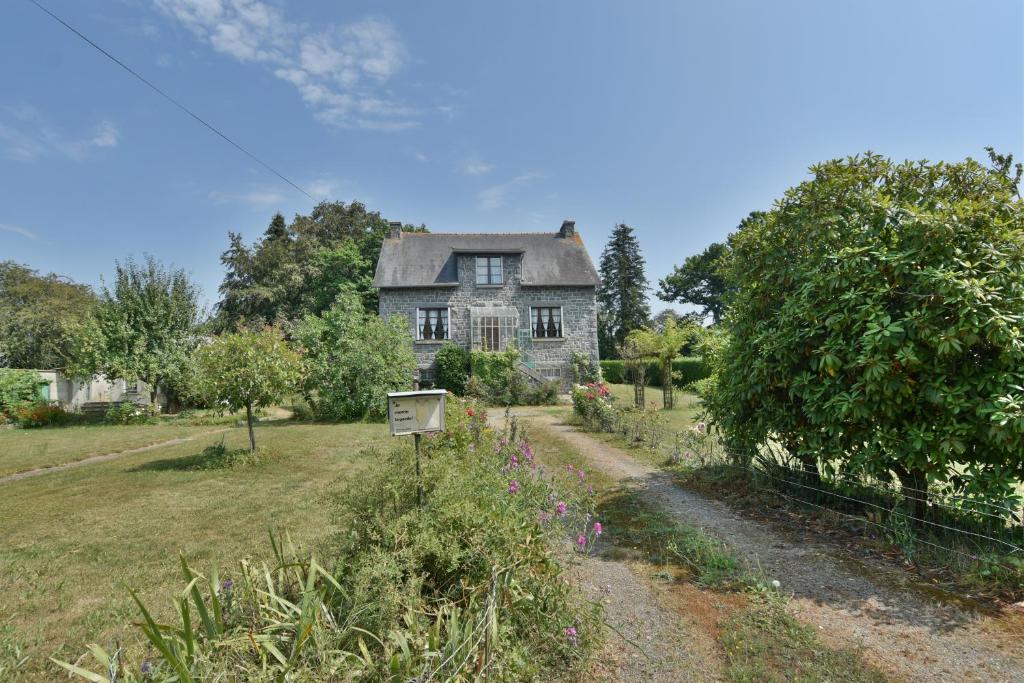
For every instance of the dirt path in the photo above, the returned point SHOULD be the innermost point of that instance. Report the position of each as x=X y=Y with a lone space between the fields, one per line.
x=105 y=457
x=902 y=631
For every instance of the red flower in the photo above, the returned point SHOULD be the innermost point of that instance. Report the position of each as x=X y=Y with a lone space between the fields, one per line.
x=469 y=411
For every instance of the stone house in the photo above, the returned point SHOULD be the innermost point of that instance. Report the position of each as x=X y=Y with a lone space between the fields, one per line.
x=92 y=394
x=485 y=291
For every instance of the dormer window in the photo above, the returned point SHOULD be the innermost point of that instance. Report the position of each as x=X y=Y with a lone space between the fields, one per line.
x=488 y=270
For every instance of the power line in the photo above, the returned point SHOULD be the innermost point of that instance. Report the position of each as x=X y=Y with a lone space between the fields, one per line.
x=170 y=99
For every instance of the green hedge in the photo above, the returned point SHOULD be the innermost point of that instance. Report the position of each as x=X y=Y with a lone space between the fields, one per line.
x=686 y=369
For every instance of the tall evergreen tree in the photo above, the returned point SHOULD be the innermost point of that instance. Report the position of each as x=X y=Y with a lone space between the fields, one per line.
x=622 y=296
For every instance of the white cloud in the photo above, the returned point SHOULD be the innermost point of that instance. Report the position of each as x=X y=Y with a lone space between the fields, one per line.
x=321 y=188
x=26 y=135
x=24 y=232
x=476 y=168
x=496 y=196
x=338 y=71
x=420 y=156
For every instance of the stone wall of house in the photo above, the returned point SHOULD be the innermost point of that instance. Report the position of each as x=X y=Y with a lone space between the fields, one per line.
x=550 y=357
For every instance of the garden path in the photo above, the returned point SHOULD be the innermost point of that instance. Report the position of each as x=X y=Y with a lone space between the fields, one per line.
x=105 y=457
x=905 y=632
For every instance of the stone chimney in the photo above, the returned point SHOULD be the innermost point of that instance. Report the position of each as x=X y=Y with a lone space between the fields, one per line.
x=568 y=228
x=396 y=230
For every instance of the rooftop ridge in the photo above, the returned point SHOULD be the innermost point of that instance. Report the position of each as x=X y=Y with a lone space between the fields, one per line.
x=476 y=234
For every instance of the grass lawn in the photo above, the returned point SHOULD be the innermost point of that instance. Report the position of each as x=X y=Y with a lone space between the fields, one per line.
x=28 y=449
x=72 y=542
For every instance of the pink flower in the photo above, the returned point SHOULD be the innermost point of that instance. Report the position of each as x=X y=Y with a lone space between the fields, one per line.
x=581 y=474
x=597 y=528
x=590 y=490
x=513 y=461
x=561 y=507
x=571 y=635
x=544 y=517
x=581 y=541
x=513 y=487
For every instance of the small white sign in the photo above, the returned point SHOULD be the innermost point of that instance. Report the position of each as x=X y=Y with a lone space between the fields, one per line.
x=416 y=412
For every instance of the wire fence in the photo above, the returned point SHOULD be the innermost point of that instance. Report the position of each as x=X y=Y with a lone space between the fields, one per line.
x=936 y=526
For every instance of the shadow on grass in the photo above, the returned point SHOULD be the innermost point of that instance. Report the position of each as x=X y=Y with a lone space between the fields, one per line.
x=211 y=458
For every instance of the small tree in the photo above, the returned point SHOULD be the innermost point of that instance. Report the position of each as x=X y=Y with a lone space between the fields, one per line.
x=249 y=370
x=665 y=346
x=637 y=350
x=354 y=359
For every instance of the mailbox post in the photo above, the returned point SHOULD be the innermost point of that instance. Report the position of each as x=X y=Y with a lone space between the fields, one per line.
x=416 y=413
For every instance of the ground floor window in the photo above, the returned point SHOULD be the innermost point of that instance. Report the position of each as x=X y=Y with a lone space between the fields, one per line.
x=546 y=322
x=493 y=327
x=432 y=324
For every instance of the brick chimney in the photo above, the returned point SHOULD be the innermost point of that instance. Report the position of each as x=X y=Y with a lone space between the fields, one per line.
x=396 y=230
x=568 y=228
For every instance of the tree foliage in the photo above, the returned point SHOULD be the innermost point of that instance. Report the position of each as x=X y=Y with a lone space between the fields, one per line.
x=300 y=268
x=877 y=324
x=40 y=315
x=452 y=363
x=252 y=369
x=699 y=281
x=354 y=358
x=622 y=295
x=144 y=328
x=663 y=346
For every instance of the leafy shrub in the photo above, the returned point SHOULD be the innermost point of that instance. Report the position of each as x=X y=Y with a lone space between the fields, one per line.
x=875 y=325
x=353 y=360
x=545 y=394
x=685 y=371
x=131 y=413
x=28 y=415
x=584 y=369
x=18 y=387
x=452 y=368
x=465 y=587
x=498 y=379
x=595 y=408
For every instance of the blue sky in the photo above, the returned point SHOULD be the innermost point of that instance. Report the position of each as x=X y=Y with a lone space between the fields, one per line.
x=678 y=118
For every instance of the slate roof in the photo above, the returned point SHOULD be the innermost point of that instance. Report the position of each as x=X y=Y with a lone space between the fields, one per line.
x=429 y=259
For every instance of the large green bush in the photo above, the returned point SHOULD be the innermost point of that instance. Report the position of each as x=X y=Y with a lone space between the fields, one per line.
x=452 y=368
x=877 y=324
x=353 y=360
x=18 y=387
x=684 y=371
x=497 y=379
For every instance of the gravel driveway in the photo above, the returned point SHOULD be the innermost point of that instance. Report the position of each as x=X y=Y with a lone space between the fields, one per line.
x=904 y=632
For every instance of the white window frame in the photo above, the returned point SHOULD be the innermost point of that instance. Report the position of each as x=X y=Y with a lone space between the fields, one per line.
x=490 y=272
x=533 y=319
x=419 y=329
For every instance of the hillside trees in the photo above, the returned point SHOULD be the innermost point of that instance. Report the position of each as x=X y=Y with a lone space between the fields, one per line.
x=877 y=321
x=622 y=295
x=299 y=269
x=699 y=281
x=40 y=316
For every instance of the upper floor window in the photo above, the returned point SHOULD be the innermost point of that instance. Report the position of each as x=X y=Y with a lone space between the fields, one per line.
x=432 y=324
x=488 y=270
x=546 y=321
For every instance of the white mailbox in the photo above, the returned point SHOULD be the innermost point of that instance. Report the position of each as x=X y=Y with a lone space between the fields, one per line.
x=416 y=412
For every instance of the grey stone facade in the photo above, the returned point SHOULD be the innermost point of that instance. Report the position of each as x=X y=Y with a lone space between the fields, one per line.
x=547 y=357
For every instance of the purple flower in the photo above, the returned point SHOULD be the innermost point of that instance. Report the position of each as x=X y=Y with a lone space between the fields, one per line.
x=571 y=635
x=581 y=474
x=513 y=461
x=513 y=487
x=597 y=528
x=561 y=507
x=581 y=541
x=146 y=668
x=226 y=585
x=544 y=517
x=590 y=490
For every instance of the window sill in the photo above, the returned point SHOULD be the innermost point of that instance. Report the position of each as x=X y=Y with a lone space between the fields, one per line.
x=547 y=339
x=480 y=286
x=430 y=341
